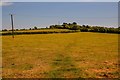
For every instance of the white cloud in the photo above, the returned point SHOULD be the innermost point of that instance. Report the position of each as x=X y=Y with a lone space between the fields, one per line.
x=5 y=3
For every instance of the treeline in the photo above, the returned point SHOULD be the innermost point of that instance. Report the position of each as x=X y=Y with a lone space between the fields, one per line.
x=39 y=32
x=73 y=27
x=85 y=28
x=34 y=28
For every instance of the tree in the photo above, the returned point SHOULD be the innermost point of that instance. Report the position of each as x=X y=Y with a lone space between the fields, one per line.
x=76 y=27
x=102 y=29
x=58 y=26
x=83 y=26
x=52 y=26
x=4 y=30
x=96 y=29
x=87 y=26
x=17 y=29
x=84 y=29
x=30 y=29
x=64 y=23
x=35 y=28
x=65 y=26
x=74 y=23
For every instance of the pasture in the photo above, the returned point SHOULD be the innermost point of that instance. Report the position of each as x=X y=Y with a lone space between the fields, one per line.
x=66 y=55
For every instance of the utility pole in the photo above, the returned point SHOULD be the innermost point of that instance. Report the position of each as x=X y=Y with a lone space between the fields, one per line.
x=12 y=25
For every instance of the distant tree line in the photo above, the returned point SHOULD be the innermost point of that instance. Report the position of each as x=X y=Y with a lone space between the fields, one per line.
x=85 y=28
x=34 y=28
x=76 y=27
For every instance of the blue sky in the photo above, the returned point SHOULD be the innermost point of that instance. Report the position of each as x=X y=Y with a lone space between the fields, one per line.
x=44 y=14
x=60 y=0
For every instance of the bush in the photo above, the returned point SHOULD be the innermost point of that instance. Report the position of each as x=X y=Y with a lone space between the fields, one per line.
x=84 y=30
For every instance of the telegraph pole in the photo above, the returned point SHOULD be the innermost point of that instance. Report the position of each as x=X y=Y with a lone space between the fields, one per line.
x=12 y=25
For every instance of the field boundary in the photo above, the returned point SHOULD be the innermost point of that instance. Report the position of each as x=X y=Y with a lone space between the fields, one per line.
x=41 y=32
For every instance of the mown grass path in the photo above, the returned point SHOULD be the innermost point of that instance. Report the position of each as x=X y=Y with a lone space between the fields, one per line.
x=63 y=64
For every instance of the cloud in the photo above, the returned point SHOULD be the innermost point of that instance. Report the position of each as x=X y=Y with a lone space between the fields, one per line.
x=5 y=3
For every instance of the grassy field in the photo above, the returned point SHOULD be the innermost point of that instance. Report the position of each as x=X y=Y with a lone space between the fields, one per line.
x=72 y=55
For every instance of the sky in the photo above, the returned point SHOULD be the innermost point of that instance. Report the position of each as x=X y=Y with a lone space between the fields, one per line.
x=44 y=14
x=59 y=0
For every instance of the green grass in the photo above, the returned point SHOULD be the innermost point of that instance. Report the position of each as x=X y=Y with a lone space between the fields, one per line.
x=72 y=55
